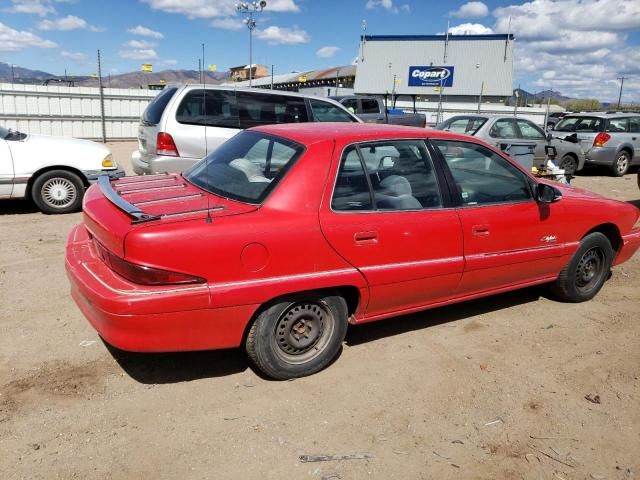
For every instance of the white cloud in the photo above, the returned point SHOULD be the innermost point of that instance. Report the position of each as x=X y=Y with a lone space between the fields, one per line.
x=76 y=56
x=471 y=10
x=145 y=32
x=35 y=7
x=139 y=54
x=219 y=8
x=12 y=40
x=387 y=5
x=169 y=61
x=470 y=29
x=228 y=23
x=70 y=22
x=327 y=52
x=283 y=35
x=140 y=44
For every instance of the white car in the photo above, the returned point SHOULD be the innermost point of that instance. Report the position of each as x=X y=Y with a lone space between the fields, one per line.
x=53 y=171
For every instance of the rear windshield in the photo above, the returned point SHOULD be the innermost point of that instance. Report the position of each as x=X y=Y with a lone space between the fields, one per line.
x=466 y=125
x=247 y=167
x=153 y=113
x=580 y=124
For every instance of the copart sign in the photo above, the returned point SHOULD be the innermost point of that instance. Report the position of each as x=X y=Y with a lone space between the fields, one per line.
x=430 y=76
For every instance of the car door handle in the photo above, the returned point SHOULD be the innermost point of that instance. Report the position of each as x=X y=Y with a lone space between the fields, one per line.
x=633 y=138
x=366 y=238
x=480 y=230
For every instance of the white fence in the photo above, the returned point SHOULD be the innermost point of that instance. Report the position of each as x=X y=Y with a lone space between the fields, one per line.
x=73 y=111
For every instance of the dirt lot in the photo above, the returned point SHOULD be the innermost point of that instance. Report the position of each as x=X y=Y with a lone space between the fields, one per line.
x=489 y=389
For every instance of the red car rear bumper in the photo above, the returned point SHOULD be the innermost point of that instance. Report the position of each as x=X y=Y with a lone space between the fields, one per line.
x=148 y=319
x=630 y=245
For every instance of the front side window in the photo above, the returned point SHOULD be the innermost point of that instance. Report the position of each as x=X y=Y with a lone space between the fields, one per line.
x=328 y=112
x=351 y=104
x=369 y=105
x=530 y=131
x=212 y=108
x=396 y=175
x=245 y=168
x=503 y=128
x=482 y=176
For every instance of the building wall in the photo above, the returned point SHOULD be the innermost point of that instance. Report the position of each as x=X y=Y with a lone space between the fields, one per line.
x=475 y=58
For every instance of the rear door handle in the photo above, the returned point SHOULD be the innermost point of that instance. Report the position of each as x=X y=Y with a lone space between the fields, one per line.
x=480 y=230
x=365 y=238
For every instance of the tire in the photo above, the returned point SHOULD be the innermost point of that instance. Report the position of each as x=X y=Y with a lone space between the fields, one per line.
x=277 y=345
x=58 y=191
x=569 y=164
x=621 y=164
x=585 y=274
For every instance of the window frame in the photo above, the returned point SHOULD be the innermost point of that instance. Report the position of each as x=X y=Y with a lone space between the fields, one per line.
x=311 y=115
x=441 y=179
x=454 y=194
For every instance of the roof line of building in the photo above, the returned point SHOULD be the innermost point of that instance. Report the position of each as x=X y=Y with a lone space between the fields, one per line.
x=495 y=36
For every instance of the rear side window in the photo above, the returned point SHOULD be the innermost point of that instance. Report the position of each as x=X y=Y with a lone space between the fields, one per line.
x=153 y=113
x=617 y=124
x=370 y=105
x=256 y=109
x=580 y=124
x=634 y=125
x=208 y=107
x=466 y=125
x=328 y=112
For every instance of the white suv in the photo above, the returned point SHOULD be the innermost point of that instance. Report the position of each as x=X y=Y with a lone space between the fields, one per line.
x=171 y=136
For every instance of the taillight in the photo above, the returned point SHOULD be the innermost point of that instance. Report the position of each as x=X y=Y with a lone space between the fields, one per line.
x=601 y=139
x=165 y=145
x=142 y=274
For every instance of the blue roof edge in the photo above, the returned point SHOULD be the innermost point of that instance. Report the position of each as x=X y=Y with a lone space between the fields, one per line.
x=494 y=36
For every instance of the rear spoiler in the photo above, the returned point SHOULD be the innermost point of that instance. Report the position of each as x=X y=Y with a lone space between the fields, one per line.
x=134 y=212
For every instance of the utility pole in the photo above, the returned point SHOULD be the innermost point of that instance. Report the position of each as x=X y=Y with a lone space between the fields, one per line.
x=13 y=75
x=104 y=126
x=480 y=96
x=620 y=95
x=249 y=9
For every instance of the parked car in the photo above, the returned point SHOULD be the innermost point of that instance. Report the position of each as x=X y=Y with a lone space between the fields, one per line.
x=504 y=130
x=609 y=139
x=52 y=171
x=553 y=118
x=171 y=136
x=373 y=110
x=287 y=233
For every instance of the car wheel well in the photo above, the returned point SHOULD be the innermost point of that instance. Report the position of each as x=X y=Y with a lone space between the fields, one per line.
x=628 y=150
x=611 y=232
x=51 y=168
x=350 y=293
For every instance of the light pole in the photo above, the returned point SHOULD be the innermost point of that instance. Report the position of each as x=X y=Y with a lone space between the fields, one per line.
x=249 y=9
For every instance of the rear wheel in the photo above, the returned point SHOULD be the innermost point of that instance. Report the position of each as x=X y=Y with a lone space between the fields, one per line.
x=621 y=164
x=298 y=336
x=585 y=274
x=569 y=164
x=58 y=191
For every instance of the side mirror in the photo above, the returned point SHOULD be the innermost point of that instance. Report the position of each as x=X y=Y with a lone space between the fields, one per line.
x=547 y=193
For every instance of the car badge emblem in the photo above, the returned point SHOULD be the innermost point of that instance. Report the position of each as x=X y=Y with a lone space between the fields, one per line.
x=549 y=238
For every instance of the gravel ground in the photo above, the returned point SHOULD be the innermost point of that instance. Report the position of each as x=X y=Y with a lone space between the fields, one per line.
x=493 y=388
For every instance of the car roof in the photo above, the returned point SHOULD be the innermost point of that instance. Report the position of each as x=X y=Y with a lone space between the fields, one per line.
x=310 y=133
x=199 y=86
x=604 y=114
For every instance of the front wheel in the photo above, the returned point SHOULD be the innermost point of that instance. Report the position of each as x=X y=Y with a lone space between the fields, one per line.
x=585 y=274
x=569 y=164
x=298 y=336
x=58 y=191
x=621 y=164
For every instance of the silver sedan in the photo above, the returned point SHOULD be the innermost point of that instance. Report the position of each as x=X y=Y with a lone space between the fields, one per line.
x=504 y=130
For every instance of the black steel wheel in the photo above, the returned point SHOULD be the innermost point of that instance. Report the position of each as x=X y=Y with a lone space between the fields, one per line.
x=585 y=274
x=298 y=335
x=621 y=164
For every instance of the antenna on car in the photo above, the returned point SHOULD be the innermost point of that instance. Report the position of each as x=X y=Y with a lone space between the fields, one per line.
x=206 y=148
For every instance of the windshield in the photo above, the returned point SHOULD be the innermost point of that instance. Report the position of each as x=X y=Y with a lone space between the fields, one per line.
x=247 y=167
x=466 y=125
x=580 y=124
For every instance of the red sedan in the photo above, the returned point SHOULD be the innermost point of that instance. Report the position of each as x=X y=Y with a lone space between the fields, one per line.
x=287 y=233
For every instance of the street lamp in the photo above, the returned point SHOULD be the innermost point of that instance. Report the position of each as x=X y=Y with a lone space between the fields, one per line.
x=249 y=9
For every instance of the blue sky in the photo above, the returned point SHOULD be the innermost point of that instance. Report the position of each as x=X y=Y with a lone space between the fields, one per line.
x=578 y=47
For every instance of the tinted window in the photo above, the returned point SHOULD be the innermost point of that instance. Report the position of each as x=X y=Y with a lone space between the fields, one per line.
x=328 y=112
x=617 y=124
x=369 y=105
x=256 y=109
x=482 y=176
x=529 y=130
x=503 y=128
x=350 y=104
x=634 y=125
x=153 y=113
x=208 y=107
x=245 y=168
x=466 y=125
x=580 y=124
x=352 y=190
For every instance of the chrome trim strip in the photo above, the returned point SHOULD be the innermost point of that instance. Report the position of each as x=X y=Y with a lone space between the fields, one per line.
x=282 y=278
x=140 y=182
x=152 y=189
x=169 y=199
x=189 y=212
x=425 y=263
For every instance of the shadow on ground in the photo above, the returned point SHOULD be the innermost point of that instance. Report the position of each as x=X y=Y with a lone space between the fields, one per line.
x=16 y=207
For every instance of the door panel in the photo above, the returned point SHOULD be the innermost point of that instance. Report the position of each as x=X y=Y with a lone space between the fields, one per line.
x=383 y=221
x=6 y=169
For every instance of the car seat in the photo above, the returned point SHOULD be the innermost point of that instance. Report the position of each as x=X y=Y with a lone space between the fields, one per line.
x=396 y=194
